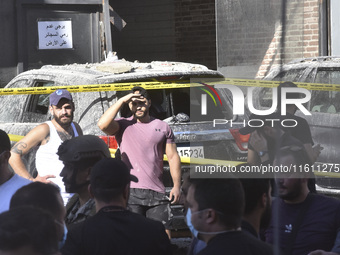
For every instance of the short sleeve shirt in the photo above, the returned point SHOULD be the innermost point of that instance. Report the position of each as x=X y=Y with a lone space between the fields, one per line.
x=142 y=146
x=318 y=229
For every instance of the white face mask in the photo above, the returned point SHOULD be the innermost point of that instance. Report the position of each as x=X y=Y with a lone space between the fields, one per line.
x=195 y=232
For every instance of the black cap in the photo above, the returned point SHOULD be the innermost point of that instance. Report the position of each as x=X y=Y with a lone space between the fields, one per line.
x=110 y=173
x=80 y=147
x=5 y=143
x=259 y=121
x=142 y=91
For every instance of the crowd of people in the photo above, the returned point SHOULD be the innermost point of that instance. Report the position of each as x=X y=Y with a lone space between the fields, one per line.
x=82 y=201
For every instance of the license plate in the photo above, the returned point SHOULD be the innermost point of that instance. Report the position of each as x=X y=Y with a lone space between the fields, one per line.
x=192 y=152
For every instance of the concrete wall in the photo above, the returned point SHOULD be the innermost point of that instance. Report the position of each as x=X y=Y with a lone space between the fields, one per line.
x=174 y=30
x=8 y=45
x=149 y=33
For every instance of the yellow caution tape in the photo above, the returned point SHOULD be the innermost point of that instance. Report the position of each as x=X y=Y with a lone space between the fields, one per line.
x=198 y=161
x=164 y=85
x=270 y=84
x=15 y=138
x=94 y=87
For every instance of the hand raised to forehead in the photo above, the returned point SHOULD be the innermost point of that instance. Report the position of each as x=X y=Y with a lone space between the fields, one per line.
x=131 y=97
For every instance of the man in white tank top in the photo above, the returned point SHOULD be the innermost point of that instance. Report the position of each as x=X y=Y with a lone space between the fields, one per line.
x=48 y=136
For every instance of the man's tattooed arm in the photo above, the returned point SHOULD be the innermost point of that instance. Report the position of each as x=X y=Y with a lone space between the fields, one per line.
x=19 y=147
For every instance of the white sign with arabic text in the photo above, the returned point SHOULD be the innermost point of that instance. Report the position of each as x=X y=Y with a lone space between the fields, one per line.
x=55 y=34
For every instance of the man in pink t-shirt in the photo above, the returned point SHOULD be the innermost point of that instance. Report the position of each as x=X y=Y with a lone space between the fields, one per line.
x=143 y=140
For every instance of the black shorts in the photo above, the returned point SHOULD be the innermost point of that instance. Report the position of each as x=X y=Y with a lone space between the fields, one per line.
x=152 y=204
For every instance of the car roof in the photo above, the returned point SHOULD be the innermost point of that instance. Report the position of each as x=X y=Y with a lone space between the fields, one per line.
x=304 y=63
x=120 y=71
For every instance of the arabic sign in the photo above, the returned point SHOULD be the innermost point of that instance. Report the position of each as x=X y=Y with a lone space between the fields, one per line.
x=55 y=34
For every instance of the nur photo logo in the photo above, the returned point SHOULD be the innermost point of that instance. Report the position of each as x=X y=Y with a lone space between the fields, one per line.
x=204 y=97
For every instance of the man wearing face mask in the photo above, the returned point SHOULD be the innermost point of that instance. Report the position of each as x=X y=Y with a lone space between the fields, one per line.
x=196 y=244
x=44 y=196
x=215 y=212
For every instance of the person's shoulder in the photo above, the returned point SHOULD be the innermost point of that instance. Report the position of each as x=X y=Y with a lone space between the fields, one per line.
x=16 y=181
x=21 y=180
x=78 y=128
x=124 y=120
x=326 y=200
x=258 y=246
x=38 y=133
x=237 y=243
x=159 y=123
x=72 y=202
x=43 y=127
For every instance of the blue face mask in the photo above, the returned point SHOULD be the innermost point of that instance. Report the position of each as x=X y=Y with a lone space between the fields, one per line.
x=191 y=227
x=62 y=242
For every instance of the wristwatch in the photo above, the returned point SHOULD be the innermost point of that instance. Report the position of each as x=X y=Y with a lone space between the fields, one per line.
x=262 y=153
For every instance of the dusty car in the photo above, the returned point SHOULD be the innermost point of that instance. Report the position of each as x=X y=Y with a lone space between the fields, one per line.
x=194 y=137
x=324 y=106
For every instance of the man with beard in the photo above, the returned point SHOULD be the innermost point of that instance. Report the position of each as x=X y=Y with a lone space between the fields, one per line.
x=143 y=140
x=257 y=210
x=306 y=223
x=48 y=136
x=79 y=154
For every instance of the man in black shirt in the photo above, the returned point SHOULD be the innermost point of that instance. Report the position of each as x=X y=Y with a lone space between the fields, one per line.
x=114 y=229
x=216 y=207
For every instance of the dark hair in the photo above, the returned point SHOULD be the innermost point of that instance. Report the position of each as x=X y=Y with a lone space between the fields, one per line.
x=253 y=190
x=28 y=226
x=142 y=91
x=5 y=144
x=297 y=152
x=37 y=194
x=224 y=196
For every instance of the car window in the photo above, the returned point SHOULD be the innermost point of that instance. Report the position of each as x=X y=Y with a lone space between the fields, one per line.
x=325 y=101
x=39 y=103
x=12 y=105
x=329 y=76
x=289 y=75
